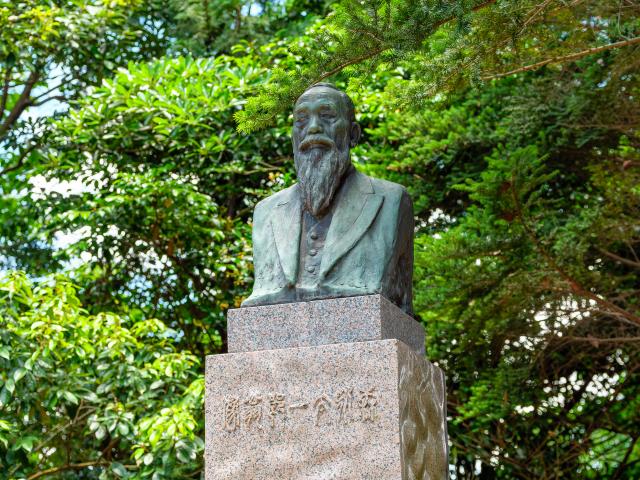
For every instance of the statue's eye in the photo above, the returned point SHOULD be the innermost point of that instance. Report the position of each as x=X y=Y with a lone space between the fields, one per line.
x=328 y=114
x=301 y=119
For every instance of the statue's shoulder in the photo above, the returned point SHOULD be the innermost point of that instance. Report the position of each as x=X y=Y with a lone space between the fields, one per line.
x=267 y=205
x=397 y=201
x=388 y=189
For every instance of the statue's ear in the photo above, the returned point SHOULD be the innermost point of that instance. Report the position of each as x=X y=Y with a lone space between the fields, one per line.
x=355 y=134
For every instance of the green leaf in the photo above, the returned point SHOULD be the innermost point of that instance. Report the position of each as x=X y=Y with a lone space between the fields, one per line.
x=101 y=432
x=90 y=397
x=71 y=397
x=185 y=454
x=10 y=385
x=118 y=469
x=156 y=384
x=25 y=443
x=123 y=428
x=19 y=373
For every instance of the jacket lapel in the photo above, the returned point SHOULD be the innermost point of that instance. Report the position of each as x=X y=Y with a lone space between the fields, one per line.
x=356 y=208
x=286 y=226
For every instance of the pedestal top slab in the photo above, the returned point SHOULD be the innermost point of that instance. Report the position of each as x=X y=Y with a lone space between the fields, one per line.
x=321 y=322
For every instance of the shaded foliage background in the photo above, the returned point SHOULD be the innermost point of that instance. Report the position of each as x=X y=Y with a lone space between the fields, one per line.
x=139 y=188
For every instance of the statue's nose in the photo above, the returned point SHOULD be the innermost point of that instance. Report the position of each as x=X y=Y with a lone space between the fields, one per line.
x=314 y=125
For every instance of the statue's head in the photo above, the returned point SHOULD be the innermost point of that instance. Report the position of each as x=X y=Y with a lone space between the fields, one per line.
x=324 y=131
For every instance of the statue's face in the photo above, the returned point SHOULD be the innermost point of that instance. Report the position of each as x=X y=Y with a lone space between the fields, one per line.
x=320 y=121
x=322 y=136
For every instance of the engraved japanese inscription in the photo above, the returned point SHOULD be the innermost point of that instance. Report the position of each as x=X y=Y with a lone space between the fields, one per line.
x=273 y=410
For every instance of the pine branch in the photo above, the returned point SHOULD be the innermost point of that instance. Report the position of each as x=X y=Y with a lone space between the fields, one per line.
x=350 y=62
x=618 y=258
x=574 y=286
x=378 y=51
x=261 y=110
x=595 y=341
x=565 y=58
x=381 y=49
x=533 y=14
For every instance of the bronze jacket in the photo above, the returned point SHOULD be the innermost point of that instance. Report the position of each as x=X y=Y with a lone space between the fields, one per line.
x=368 y=247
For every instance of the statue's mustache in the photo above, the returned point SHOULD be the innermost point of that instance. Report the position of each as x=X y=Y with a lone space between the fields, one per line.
x=315 y=142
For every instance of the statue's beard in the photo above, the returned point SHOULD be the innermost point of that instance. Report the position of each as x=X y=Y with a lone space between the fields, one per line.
x=320 y=173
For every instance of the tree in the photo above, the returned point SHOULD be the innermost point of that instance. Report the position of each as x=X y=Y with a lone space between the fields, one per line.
x=172 y=184
x=105 y=394
x=213 y=27
x=526 y=264
x=449 y=45
x=50 y=52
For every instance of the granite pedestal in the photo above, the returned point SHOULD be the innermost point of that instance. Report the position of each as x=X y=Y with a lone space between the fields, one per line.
x=302 y=403
x=337 y=320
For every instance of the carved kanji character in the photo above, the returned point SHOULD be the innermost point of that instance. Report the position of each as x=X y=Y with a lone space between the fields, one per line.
x=367 y=401
x=277 y=406
x=231 y=414
x=252 y=412
x=322 y=405
x=344 y=402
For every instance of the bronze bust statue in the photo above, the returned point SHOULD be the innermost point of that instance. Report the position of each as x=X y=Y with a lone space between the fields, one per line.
x=337 y=232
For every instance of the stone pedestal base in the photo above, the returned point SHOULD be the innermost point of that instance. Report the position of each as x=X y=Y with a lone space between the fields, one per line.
x=369 y=410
